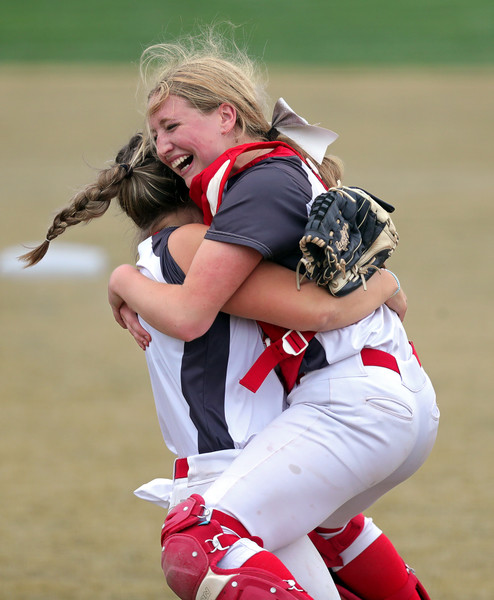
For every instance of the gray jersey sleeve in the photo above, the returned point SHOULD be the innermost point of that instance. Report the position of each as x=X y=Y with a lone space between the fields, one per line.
x=265 y=208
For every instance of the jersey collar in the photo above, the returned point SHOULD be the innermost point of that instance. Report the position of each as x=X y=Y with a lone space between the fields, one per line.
x=207 y=187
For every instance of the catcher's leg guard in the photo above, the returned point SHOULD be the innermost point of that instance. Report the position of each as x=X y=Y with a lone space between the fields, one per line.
x=411 y=590
x=192 y=546
x=376 y=573
x=331 y=548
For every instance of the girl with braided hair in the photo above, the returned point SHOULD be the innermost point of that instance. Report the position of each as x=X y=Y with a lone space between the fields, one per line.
x=206 y=418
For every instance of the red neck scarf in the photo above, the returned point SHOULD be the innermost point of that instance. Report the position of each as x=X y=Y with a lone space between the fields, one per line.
x=206 y=189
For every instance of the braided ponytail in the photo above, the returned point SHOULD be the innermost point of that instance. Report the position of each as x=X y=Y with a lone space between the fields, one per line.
x=88 y=204
x=144 y=187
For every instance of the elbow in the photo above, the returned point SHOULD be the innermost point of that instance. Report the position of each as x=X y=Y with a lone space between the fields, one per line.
x=193 y=328
x=188 y=329
x=328 y=319
x=190 y=334
x=184 y=321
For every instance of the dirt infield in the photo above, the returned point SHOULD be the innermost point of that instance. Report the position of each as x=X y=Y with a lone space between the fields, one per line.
x=79 y=431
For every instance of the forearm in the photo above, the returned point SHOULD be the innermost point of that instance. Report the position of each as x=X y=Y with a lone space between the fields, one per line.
x=185 y=311
x=361 y=302
x=270 y=295
x=164 y=306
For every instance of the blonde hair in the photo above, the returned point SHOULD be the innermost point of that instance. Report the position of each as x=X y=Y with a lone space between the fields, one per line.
x=145 y=188
x=208 y=70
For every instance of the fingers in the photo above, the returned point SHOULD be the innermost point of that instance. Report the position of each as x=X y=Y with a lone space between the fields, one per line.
x=118 y=318
x=142 y=340
x=133 y=325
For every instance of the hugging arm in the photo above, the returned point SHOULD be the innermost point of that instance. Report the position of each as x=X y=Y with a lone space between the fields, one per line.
x=268 y=294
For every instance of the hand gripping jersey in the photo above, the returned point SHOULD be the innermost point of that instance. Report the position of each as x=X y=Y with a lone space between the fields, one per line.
x=201 y=406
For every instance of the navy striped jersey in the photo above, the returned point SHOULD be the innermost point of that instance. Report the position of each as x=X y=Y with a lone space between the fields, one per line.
x=200 y=404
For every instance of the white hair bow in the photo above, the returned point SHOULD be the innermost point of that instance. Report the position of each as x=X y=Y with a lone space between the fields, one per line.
x=313 y=139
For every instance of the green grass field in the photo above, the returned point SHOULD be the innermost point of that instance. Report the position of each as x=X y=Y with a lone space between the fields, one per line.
x=409 y=86
x=324 y=32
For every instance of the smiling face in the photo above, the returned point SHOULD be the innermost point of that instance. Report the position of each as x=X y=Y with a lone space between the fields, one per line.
x=188 y=140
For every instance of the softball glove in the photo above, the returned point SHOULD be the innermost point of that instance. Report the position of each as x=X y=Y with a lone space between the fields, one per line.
x=349 y=235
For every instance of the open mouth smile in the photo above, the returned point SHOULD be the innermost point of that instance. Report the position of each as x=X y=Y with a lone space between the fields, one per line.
x=181 y=163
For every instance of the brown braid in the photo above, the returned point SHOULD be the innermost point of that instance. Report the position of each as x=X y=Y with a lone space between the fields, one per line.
x=143 y=186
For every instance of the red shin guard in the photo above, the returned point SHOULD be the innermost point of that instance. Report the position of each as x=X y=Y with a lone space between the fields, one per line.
x=379 y=573
x=192 y=546
x=331 y=549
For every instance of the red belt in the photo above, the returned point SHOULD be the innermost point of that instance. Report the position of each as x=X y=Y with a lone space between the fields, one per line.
x=181 y=468
x=377 y=358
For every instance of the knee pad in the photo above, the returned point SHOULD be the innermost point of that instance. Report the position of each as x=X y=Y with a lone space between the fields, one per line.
x=192 y=545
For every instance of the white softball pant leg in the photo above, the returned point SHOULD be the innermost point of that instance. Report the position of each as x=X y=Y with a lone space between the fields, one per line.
x=300 y=556
x=341 y=445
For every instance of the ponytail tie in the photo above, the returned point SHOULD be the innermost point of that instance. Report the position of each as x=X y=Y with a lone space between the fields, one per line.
x=128 y=170
x=272 y=134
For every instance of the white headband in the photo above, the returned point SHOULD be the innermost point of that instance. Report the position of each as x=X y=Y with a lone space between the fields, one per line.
x=313 y=139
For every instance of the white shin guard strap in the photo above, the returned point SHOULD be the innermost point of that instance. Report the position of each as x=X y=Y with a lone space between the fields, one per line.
x=239 y=553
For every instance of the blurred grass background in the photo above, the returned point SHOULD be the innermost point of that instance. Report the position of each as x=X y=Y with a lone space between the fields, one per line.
x=281 y=31
x=409 y=88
